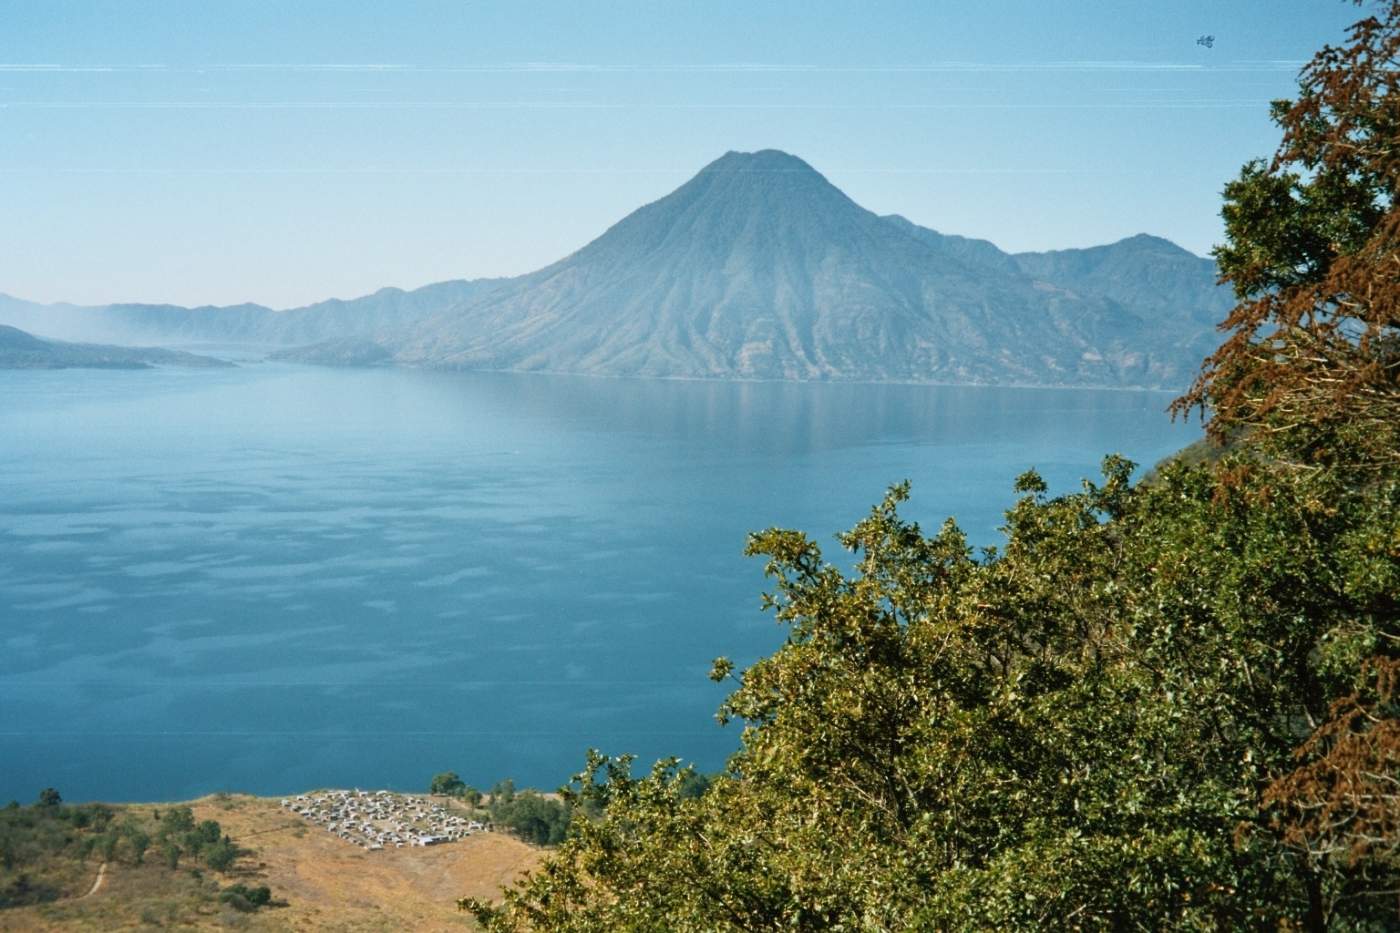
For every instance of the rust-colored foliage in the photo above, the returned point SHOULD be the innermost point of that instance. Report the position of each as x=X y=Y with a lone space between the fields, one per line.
x=1343 y=800
x=1312 y=357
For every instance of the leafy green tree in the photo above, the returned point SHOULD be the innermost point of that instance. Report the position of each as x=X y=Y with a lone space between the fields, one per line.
x=138 y=840
x=48 y=797
x=1170 y=705
x=107 y=846
x=177 y=820
x=503 y=791
x=1080 y=724
x=533 y=817
x=447 y=783
x=207 y=832
x=220 y=855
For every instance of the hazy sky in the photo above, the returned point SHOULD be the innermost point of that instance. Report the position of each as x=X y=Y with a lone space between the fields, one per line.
x=214 y=151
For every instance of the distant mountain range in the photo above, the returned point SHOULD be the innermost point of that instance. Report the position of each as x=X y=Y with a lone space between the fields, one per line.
x=756 y=268
x=384 y=312
x=19 y=350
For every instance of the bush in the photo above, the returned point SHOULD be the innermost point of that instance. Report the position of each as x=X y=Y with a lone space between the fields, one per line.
x=446 y=783
x=178 y=820
x=237 y=901
x=220 y=855
x=532 y=817
x=24 y=890
x=245 y=899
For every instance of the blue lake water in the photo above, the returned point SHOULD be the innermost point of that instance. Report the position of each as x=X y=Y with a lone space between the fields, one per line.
x=276 y=577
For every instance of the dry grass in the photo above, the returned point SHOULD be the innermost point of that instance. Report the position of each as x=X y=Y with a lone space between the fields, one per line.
x=327 y=883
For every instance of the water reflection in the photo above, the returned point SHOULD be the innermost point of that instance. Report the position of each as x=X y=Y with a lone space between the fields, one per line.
x=274 y=577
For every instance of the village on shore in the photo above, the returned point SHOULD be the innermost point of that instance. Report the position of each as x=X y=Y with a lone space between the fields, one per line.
x=376 y=820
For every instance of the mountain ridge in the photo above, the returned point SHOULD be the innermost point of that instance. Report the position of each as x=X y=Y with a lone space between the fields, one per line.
x=334 y=318
x=22 y=350
x=758 y=267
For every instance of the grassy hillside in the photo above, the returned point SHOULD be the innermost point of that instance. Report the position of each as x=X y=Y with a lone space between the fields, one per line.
x=317 y=881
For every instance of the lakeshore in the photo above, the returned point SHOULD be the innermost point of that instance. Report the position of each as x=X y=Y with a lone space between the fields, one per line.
x=326 y=883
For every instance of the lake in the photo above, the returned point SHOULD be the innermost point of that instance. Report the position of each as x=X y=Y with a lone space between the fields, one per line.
x=275 y=578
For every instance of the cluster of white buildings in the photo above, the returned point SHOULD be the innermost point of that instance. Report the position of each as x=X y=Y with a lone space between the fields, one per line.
x=380 y=819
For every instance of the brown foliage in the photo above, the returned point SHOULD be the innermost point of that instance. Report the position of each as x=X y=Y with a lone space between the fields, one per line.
x=1343 y=800
x=1314 y=344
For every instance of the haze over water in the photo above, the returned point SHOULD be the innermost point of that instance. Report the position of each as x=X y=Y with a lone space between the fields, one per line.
x=275 y=578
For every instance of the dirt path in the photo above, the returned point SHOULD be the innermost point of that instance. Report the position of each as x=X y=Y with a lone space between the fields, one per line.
x=97 y=882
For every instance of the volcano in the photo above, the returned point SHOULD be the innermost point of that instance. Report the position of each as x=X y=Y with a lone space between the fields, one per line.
x=760 y=268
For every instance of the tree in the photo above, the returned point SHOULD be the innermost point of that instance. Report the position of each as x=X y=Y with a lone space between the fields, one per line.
x=532 y=817
x=503 y=791
x=1170 y=705
x=220 y=855
x=48 y=797
x=178 y=820
x=138 y=840
x=1079 y=724
x=107 y=846
x=208 y=832
x=1312 y=360
x=447 y=783
x=1340 y=807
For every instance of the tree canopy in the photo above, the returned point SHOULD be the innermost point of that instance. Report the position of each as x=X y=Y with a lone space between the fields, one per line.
x=447 y=782
x=1163 y=705
x=1312 y=357
x=1102 y=721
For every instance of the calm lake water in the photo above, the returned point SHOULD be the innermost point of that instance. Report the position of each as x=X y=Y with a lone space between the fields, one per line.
x=274 y=578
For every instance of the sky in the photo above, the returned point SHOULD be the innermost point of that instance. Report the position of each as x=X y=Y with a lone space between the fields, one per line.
x=223 y=151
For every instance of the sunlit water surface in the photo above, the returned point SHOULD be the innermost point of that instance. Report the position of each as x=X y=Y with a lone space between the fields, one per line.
x=274 y=577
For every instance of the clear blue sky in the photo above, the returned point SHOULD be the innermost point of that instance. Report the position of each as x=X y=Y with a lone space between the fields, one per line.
x=220 y=151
